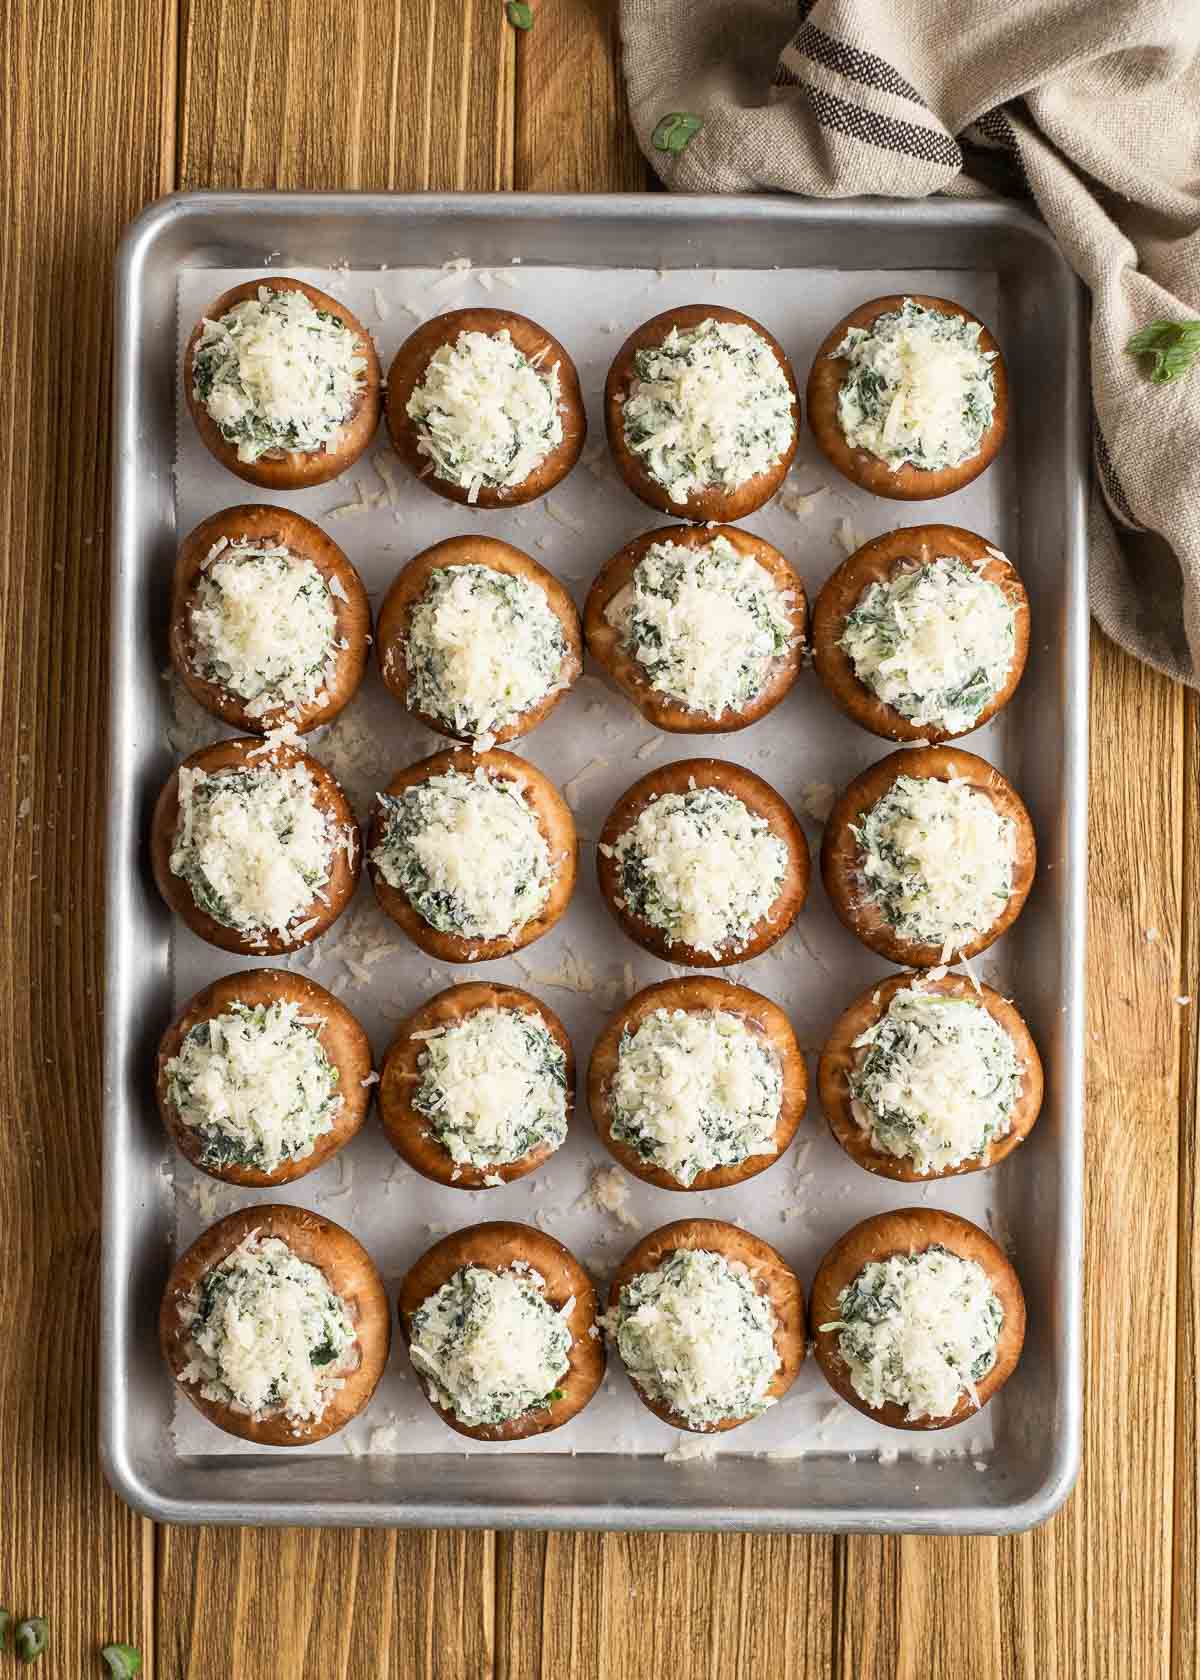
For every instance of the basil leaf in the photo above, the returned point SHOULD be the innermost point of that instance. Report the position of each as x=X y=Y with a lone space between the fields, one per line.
x=32 y=1637
x=520 y=15
x=123 y=1660
x=1174 y=345
x=676 y=131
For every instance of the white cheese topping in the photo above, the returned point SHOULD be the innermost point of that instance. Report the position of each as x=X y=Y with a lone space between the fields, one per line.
x=482 y=649
x=697 y=1337
x=702 y=867
x=937 y=859
x=278 y=375
x=695 y=1090
x=467 y=852
x=253 y=845
x=918 y=1330
x=919 y=390
x=256 y=1085
x=935 y=1081
x=493 y=1086
x=485 y=413
x=266 y=1334
x=935 y=642
x=710 y=406
x=263 y=625
x=490 y=1346
x=707 y=623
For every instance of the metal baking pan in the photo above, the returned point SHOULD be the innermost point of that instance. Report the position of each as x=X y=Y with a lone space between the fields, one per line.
x=1037 y=1430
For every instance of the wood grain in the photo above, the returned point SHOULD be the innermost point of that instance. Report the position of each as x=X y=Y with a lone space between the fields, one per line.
x=101 y=108
x=80 y=152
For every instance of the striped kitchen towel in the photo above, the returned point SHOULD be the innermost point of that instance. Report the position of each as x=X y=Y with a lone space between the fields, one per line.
x=1090 y=106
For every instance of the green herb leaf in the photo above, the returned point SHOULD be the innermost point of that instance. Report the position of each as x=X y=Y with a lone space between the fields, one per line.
x=123 y=1660
x=31 y=1638
x=5 y=1624
x=520 y=14
x=555 y=1394
x=676 y=131
x=1174 y=345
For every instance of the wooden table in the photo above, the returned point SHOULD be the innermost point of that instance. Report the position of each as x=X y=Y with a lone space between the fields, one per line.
x=105 y=104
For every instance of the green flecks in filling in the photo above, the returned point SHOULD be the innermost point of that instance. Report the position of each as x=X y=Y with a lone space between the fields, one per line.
x=485 y=413
x=707 y=624
x=935 y=642
x=697 y=1336
x=263 y=625
x=694 y=1090
x=255 y=1085
x=935 y=1080
x=266 y=1333
x=482 y=648
x=467 y=853
x=708 y=407
x=253 y=845
x=918 y=390
x=278 y=375
x=493 y=1087
x=937 y=860
x=918 y=1330
x=702 y=867
x=489 y=1345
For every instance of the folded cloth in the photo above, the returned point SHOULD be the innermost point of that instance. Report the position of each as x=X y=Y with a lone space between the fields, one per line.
x=1092 y=106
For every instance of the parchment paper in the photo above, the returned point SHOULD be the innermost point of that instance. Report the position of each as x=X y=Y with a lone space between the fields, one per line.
x=593 y=746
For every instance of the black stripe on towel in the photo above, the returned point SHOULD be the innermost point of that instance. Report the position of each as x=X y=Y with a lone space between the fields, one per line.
x=852 y=63
x=886 y=133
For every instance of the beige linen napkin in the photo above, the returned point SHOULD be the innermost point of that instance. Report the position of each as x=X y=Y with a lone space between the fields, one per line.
x=1093 y=106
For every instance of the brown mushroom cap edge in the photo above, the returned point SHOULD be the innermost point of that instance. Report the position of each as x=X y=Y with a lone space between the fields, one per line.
x=912 y=1231
x=774 y=1278
x=702 y=994
x=838 y=1058
x=663 y=710
x=408 y=1131
x=496 y=1246
x=350 y=1273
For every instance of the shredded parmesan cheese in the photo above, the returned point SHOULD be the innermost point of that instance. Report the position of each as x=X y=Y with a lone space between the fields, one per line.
x=918 y=1331
x=710 y=406
x=937 y=859
x=277 y=375
x=485 y=414
x=493 y=1087
x=695 y=1090
x=708 y=625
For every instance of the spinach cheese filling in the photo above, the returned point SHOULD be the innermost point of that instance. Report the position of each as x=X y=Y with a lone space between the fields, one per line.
x=935 y=1081
x=493 y=1087
x=706 y=624
x=696 y=1337
x=489 y=1345
x=485 y=413
x=702 y=867
x=276 y=375
x=266 y=1333
x=935 y=642
x=467 y=852
x=255 y=1085
x=708 y=406
x=918 y=391
x=482 y=649
x=695 y=1090
x=937 y=861
x=918 y=1331
x=254 y=846
x=263 y=625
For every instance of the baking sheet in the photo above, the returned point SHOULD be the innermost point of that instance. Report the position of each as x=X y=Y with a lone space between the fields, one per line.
x=593 y=746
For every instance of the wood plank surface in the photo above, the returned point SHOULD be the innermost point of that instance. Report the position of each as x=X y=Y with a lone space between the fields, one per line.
x=86 y=138
x=101 y=108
